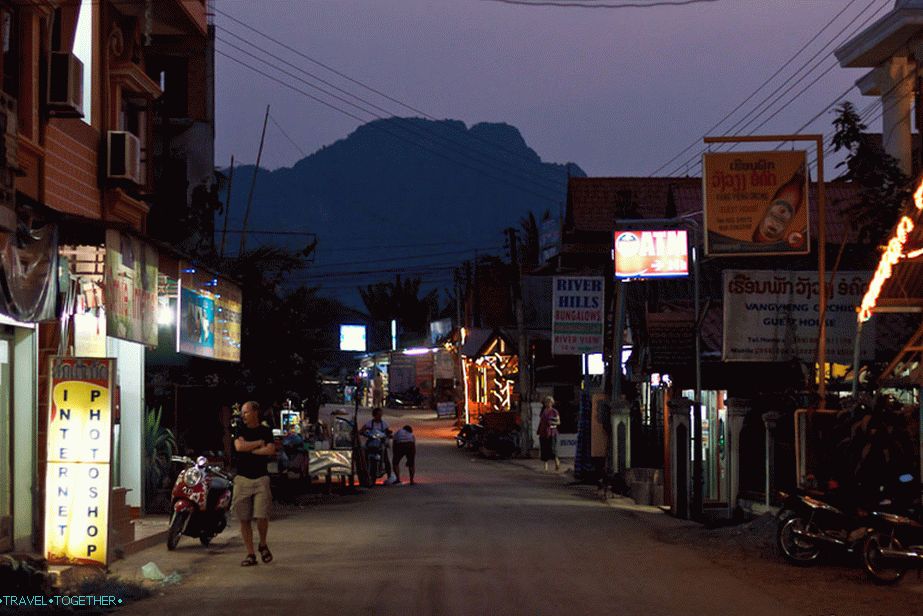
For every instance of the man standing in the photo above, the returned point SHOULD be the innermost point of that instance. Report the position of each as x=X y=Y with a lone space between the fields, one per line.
x=252 y=497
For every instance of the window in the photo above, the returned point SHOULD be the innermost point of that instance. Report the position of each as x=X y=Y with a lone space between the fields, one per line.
x=83 y=49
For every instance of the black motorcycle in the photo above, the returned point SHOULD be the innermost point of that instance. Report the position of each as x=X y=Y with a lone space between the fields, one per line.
x=810 y=524
x=376 y=455
x=895 y=543
x=470 y=436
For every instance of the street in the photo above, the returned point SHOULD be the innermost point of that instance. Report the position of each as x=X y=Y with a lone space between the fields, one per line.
x=477 y=536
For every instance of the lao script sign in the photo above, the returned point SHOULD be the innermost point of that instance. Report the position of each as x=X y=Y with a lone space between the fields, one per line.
x=775 y=316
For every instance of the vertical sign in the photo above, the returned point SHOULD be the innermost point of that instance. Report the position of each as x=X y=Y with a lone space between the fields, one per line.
x=577 y=315
x=130 y=288
x=77 y=480
x=756 y=203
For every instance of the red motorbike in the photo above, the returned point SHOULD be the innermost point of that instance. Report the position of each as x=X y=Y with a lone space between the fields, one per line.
x=201 y=500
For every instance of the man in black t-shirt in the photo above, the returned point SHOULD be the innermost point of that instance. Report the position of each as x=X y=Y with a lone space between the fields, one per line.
x=252 y=497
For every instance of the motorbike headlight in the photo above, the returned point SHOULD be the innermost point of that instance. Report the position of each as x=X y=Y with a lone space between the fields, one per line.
x=192 y=477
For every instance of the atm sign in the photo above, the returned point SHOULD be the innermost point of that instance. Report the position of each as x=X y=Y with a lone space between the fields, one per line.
x=651 y=254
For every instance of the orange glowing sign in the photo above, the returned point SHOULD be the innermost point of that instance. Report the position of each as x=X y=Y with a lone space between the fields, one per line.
x=651 y=254
x=893 y=253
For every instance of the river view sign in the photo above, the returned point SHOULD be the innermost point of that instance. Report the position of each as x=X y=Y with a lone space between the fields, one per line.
x=577 y=315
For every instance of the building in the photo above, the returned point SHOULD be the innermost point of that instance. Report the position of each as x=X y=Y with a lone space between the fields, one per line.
x=107 y=112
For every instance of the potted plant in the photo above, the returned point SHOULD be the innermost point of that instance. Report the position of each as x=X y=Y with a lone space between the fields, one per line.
x=159 y=447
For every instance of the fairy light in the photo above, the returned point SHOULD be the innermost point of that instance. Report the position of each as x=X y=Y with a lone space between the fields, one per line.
x=893 y=253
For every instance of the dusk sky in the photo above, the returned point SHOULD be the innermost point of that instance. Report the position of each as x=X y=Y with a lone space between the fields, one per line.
x=619 y=91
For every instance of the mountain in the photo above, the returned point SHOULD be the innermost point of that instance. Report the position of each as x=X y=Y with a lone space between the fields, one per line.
x=399 y=193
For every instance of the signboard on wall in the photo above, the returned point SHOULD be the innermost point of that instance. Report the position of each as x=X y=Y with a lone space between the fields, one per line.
x=657 y=253
x=756 y=203
x=79 y=455
x=774 y=316
x=209 y=315
x=577 y=315
x=130 y=281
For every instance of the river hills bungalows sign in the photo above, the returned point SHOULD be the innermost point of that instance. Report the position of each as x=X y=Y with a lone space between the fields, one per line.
x=577 y=315
x=77 y=480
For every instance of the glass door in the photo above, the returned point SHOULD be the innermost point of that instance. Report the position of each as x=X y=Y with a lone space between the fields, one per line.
x=6 y=450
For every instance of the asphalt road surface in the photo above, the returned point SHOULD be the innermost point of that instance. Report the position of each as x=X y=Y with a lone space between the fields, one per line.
x=477 y=536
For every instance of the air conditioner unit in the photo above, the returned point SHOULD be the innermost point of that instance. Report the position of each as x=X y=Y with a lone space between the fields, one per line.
x=123 y=156
x=65 y=84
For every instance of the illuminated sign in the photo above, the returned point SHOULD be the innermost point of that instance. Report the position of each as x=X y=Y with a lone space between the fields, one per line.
x=756 y=203
x=352 y=338
x=208 y=315
x=77 y=480
x=131 y=288
x=651 y=254
x=577 y=319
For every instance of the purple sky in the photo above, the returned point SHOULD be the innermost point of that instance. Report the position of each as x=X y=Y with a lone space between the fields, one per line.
x=618 y=91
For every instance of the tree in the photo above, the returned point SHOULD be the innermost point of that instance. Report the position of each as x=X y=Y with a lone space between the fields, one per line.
x=401 y=300
x=884 y=188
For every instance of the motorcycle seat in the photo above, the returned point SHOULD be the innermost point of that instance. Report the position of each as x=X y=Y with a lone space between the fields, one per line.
x=813 y=503
x=896 y=519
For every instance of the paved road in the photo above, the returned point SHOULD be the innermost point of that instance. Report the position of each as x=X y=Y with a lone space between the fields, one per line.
x=484 y=537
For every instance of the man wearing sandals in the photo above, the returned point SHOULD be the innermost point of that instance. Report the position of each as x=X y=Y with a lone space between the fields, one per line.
x=252 y=498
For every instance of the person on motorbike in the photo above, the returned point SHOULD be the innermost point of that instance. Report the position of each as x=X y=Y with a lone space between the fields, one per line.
x=377 y=423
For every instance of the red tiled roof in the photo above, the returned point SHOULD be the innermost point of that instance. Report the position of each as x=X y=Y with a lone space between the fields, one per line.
x=595 y=203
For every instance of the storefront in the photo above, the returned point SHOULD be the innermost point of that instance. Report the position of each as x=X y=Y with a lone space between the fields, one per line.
x=491 y=370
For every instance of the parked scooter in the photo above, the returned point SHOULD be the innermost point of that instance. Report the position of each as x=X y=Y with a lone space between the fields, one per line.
x=376 y=456
x=470 y=436
x=895 y=544
x=201 y=500
x=808 y=525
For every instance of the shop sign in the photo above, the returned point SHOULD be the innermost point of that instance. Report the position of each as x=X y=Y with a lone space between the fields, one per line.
x=756 y=203
x=577 y=315
x=209 y=315
x=130 y=288
x=775 y=316
x=77 y=480
x=662 y=253
x=672 y=340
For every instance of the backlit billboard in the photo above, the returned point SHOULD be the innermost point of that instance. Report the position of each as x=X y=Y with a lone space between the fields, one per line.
x=660 y=253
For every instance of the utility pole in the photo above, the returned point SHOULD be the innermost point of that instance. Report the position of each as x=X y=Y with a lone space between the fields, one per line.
x=227 y=207
x=256 y=170
x=525 y=411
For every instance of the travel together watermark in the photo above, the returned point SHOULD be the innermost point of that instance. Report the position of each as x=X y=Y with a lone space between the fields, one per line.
x=59 y=601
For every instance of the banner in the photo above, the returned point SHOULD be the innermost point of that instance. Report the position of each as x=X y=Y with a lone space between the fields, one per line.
x=775 y=316
x=77 y=480
x=756 y=203
x=577 y=315
x=209 y=321
x=672 y=340
x=130 y=288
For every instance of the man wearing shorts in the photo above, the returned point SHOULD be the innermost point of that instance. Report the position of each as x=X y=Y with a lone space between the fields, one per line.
x=252 y=498
x=405 y=445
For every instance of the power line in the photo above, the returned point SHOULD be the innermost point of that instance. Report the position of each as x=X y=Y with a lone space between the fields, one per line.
x=378 y=126
x=410 y=257
x=515 y=153
x=592 y=5
x=404 y=123
x=286 y=135
x=762 y=104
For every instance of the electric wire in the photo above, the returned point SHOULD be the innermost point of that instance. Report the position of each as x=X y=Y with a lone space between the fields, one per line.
x=379 y=126
x=409 y=125
x=762 y=107
x=338 y=73
x=765 y=83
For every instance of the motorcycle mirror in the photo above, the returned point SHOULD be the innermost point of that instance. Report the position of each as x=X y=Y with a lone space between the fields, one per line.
x=905 y=478
x=201 y=461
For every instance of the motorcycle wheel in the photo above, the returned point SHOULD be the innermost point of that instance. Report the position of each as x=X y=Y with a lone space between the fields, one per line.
x=797 y=550
x=205 y=539
x=878 y=568
x=176 y=529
